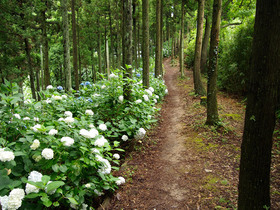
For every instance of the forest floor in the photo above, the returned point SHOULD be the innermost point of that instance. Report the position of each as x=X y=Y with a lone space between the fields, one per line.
x=183 y=164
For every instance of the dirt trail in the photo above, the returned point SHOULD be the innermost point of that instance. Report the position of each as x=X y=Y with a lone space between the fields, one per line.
x=183 y=164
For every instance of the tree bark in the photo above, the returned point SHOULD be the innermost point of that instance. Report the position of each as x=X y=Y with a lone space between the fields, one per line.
x=99 y=49
x=263 y=92
x=111 y=38
x=47 y=78
x=65 y=29
x=127 y=47
x=107 y=56
x=145 y=44
x=79 y=48
x=198 y=86
x=75 y=52
x=204 y=50
x=135 y=42
x=212 y=107
x=158 y=38
x=182 y=39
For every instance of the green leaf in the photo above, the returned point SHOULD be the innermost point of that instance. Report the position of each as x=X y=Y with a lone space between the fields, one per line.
x=40 y=185
x=55 y=204
x=54 y=185
x=55 y=168
x=46 y=201
x=19 y=153
x=5 y=181
x=73 y=200
x=34 y=195
x=63 y=168
x=45 y=179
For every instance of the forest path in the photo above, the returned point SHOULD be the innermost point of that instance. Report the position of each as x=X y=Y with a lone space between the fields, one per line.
x=164 y=180
x=183 y=164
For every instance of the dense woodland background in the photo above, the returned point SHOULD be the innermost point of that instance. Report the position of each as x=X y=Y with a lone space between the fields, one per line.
x=65 y=43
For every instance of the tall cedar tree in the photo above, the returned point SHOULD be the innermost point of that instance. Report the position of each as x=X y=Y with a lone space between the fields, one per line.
x=75 y=51
x=158 y=39
x=205 y=42
x=263 y=90
x=182 y=39
x=198 y=86
x=212 y=109
x=65 y=29
x=145 y=45
x=127 y=46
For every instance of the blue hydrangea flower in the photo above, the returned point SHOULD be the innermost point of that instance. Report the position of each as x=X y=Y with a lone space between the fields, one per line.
x=138 y=75
x=90 y=100
x=82 y=84
x=87 y=83
x=59 y=87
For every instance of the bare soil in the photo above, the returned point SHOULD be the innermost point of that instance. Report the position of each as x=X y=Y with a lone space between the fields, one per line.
x=183 y=164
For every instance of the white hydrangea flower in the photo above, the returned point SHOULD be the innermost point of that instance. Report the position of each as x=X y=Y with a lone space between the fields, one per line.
x=149 y=92
x=68 y=114
x=98 y=192
x=100 y=142
x=69 y=120
x=103 y=127
x=53 y=132
x=140 y=134
x=61 y=119
x=120 y=181
x=157 y=97
x=121 y=98
x=29 y=188
x=146 y=98
x=51 y=192
x=87 y=185
x=155 y=100
x=47 y=153
x=48 y=101
x=103 y=86
x=17 y=116
x=106 y=166
x=91 y=126
x=26 y=118
x=15 y=198
x=64 y=96
x=49 y=87
x=6 y=156
x=35 y=176
x=94 y=150
x=166 y=91
x=35 y=144
x=151 y=89
x=4 y=201
x=113 y=76
x=36 y=119
x=67 y=141
x=89 y=134
x=96 y=94
x=57 y=98
x=89 y=112
x=138 y=101
x=36 y=127
x=124 y=137
x=116 y=156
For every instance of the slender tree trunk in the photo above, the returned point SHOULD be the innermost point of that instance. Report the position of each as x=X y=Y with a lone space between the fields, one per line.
x=31 y=73
x=212 y=107
x=134 y=20
x=38 y=83
x=263 y=92
x=93 y=72
x=99 y=49
x=145 y=44
x=127 y=47
x=75 y=52
x=79 y=49
x=42 y=67
x=204 y=51
x=158 y=38
x=198 y=86
x=182 y=39
x=161 y=37
x=47 y=78
x=65 y=29
x=111 y=39
x=107 y=56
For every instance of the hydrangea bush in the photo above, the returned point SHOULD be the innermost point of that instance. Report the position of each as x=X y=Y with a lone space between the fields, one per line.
x=61 y=151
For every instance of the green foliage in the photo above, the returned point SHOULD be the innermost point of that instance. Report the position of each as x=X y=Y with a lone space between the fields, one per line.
x=235 y=52
x=50 y=138
x=190 y=49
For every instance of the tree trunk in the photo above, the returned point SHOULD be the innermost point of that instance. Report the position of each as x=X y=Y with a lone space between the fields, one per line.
x=212 y=107
x=204 y=51
x=30 y=68
x=263 y=91
x=135 y=43
x=38 y=83
x=182 y=39
x=75 y=52
x=145 y=43
x=65 y=29
x=42 y=67
x=127 y=47
x=47 y=78
x=158 y=38
x=79 y=49
x=107 y=56
x=198 y=86
x=99 y=49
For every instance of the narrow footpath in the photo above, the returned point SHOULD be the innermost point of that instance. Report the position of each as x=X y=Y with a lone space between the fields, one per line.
x=183 y=164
